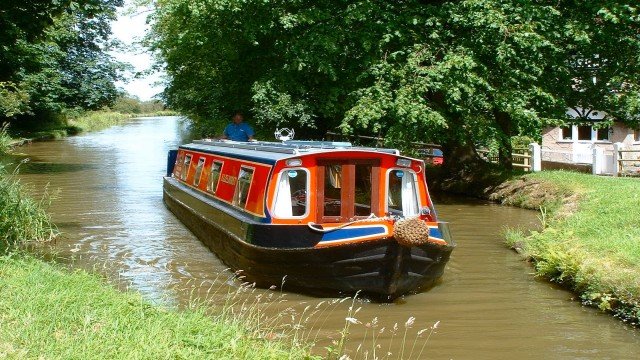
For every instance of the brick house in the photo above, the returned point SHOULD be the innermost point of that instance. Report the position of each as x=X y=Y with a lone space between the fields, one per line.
x=574 y=144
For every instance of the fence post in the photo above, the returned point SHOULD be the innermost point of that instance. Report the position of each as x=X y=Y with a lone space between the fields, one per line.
x=536 y=158
x=598 y=159
x=616 y=158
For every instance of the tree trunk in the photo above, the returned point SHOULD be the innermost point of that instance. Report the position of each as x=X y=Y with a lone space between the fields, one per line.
x=505 y=151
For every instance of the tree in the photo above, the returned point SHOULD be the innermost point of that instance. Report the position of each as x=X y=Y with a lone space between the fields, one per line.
x=56 y=56
x=462 y=73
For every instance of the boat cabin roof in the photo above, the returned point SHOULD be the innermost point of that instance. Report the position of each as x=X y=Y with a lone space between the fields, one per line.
x=270 y=152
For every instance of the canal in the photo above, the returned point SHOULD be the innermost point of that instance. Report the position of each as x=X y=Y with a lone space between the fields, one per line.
x=108 y=207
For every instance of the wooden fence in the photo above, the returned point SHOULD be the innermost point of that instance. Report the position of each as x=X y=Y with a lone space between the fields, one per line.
x=521 y=158
x=621 y=166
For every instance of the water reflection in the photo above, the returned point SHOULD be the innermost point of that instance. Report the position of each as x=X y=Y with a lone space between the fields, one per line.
x=111 y=214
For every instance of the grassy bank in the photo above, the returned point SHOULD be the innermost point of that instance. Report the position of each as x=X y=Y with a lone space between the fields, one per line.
x=590 y=241
x=48 y=311
x=76 y=123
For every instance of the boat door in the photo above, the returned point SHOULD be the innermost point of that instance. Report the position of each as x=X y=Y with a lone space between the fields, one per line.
x=347 y=189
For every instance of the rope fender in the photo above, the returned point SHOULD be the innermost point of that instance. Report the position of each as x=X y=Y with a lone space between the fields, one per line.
x=407 y=231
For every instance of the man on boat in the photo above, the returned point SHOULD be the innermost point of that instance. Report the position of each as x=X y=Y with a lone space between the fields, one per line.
x=238 y=130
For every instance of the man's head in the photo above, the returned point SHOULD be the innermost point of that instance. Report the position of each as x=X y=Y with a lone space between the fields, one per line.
x=238 y=118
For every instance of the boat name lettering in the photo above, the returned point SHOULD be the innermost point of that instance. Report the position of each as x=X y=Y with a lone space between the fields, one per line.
x=231 y=180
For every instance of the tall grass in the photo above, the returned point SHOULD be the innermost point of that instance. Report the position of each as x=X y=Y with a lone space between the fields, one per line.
x=22 y=218
x=5 y=139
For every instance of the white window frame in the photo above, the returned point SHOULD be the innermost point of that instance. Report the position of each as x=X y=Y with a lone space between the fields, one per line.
x=417 y=189
x=307 y=202
x=574 y=135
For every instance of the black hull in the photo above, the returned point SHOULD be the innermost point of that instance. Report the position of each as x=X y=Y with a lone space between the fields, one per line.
x=381 y=269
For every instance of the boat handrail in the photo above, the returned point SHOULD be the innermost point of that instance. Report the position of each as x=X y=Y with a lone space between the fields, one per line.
x=293 y=147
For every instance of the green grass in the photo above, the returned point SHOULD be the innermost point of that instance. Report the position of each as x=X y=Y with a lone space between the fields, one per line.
x=49 y=312
x=96 y=120
x=591 y=238
x=22 y=219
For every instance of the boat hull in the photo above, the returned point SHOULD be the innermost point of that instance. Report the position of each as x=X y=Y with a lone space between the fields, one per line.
x=379 y=269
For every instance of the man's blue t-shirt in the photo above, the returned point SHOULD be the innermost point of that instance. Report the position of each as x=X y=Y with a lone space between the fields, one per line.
x=238 y=132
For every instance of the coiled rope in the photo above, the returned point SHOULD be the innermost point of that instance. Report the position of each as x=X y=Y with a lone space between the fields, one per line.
x=407 y=231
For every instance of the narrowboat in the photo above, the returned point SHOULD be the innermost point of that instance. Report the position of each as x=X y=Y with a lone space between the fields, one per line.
x=317 y=217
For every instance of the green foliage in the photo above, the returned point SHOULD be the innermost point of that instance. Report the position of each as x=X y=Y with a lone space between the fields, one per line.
x=461 y=73
x=22 y=219
x=126 y=104
x=55 y=57
x=13 y=100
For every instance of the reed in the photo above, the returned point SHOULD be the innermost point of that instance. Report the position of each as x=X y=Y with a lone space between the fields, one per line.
x=5 y=140
x=23 y=219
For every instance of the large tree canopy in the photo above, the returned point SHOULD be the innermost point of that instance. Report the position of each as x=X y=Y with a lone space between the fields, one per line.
x=460 y=73
x=54 y=56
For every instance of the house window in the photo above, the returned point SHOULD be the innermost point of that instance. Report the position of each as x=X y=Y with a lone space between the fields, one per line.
x=185 y=167
x=198 y=174
x=567 y=133
x=602 y=134
x=584 y=132
x=214 y=175
x=242 y=189
x=636 y=135
x=291 y=194
x=402 y=198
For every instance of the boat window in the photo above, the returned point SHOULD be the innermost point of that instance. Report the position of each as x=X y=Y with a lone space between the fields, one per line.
x=242 y=188
x=291 y=194
x=402 y=197
x=214 y=175
x=362 y=204
x=185 y=167
x=198 y=174
x=332 y=190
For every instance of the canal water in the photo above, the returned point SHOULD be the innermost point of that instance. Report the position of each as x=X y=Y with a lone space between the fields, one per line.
x=108 y=207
